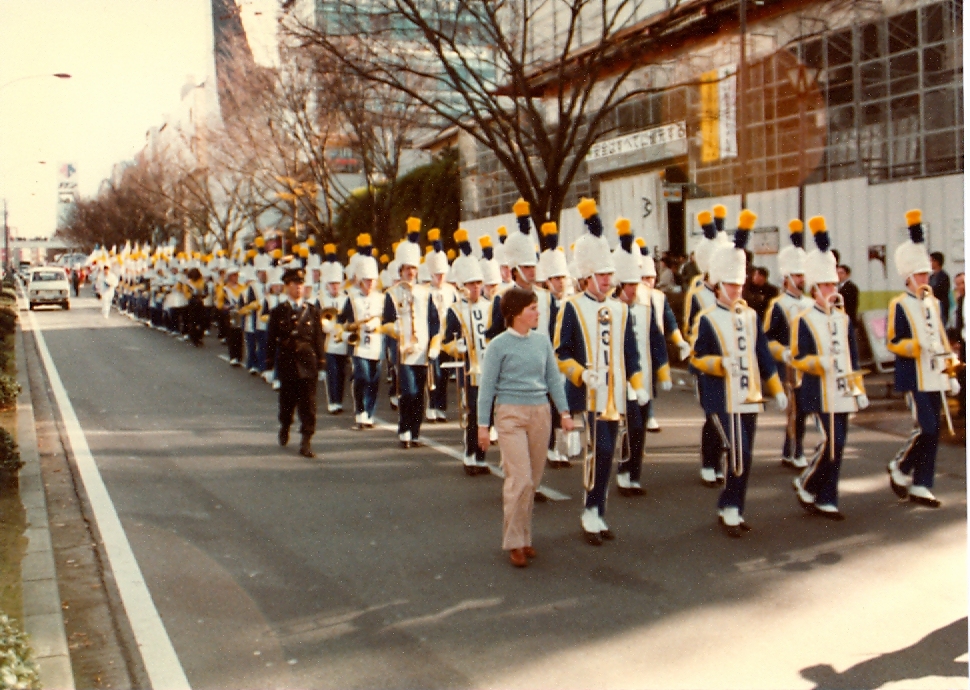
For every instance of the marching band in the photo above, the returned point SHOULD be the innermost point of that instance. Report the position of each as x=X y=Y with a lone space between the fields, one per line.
x=424 y=321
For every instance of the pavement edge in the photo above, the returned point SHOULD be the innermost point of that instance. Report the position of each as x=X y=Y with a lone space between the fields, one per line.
x=43 y=617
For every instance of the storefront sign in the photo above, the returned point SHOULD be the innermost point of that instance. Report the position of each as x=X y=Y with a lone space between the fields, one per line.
x=646 y=146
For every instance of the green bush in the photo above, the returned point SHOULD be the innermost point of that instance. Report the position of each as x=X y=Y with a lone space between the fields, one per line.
x=8 y=321
x=18 y=670
x=10 y=461
x=9 y=390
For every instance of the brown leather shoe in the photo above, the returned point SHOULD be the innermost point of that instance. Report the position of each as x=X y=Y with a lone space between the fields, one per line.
x=518 y=558
x=529 y=551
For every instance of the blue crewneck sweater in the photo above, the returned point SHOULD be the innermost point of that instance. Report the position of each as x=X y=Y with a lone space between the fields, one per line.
x=519 y=370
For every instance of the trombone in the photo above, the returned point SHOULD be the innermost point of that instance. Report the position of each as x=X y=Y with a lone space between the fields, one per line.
x=751 y=383
x=604 y=317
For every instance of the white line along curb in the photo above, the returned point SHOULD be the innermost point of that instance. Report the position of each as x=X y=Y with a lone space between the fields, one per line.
x=161 y=662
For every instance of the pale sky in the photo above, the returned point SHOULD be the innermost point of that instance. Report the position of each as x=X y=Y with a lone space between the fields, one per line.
x=128 y=60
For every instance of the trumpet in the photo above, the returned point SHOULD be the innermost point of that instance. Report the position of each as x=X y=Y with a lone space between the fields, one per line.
x=328 y=313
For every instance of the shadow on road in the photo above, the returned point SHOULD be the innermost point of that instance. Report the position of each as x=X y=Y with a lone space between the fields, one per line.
x=934 y=655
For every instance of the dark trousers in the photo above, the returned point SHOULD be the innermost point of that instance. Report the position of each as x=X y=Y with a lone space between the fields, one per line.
x=918 y=456
x=636 y=425
x=390 y=354
x=605 y=444
x=412 y=380
x=299 y=395
x=711 y=447
x=438 y=398
x=336 y=376
x=234 y=340
x=471 y=427
x=736 y=485
x=251 y=349
x=195 y=317
x=794 y=447
x=367 y=378
x=821 y=477
x=222 y=323
x=262 y=342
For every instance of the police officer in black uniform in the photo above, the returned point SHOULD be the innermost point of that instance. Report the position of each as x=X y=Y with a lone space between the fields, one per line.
x=295 y=347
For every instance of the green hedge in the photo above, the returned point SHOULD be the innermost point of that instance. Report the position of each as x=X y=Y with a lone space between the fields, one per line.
x=18 y=670
x=9 y=390
x=10 y=461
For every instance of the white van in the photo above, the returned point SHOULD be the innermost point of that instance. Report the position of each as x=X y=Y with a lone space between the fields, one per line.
x=48 y=285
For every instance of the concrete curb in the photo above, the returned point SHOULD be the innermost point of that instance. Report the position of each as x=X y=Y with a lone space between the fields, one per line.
x=43 y=618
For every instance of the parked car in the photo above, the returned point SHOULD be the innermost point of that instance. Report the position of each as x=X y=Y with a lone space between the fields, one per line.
x=49 y=285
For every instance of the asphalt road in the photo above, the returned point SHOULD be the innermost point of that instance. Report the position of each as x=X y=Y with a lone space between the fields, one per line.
x=370 y=566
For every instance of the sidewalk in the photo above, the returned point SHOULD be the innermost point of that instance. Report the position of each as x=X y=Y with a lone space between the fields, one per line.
x=43 y=618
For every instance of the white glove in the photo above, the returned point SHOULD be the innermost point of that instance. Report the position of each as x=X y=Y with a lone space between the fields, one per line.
x=268 y=376
x=433 y=353
x=329 y=326
x=642 y=396
x=666 y=386
x=954 y=387
x=786 y=356
x=684 y=347
x=862 y=401
x=460 y=346
x=591 y=378
x=781 y=400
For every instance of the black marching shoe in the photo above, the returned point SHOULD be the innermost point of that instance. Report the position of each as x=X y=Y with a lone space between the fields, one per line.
x=305 y=449
x=284 y=436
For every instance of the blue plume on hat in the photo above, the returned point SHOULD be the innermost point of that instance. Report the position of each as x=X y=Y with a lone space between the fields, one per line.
x=488 y=253
x=746 y=221
x=414 y=237
x=595 y=225
x=626 y=241
x=914 y=223
x=817 y=225
x=525 y=224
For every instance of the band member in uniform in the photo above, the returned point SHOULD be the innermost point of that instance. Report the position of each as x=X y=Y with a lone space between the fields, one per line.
x=779 y=320
x=701 y=297
x=731 y=355
x=519 y=375
x=332 y=302
x=444 y=295
x=553 y=270
x=465 y=326
x=411 y=318
x=196 y=291
x=295 y=348
x=823 y=350
x=233 y=299
x=663 y=314
x=652 y=353
x=926 y=368
x=360 y=323
x=596 y=349
x=491 y=274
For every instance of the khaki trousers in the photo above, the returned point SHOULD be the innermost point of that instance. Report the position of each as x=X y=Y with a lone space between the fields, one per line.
x=523 y=436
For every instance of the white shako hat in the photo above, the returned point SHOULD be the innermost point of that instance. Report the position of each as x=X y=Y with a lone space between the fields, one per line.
x=714 y=237
x=437 y=260
x=820 y=263
x=648 y=269
x=262 y=262
x=728 y=262
x=366 y=268
x=491 y=275
x=552 y=260
x=331 y=271
x=424 y=275
x=466 y=267
x=274 y=276
x=313 y=261
x=627 y=263
x=501 y=254
x=591 y=253
x=408 y=253
x=791 y=259
x=911 y=256
x=520 y=248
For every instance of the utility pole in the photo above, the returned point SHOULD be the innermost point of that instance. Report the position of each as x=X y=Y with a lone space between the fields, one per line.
x=739 y=102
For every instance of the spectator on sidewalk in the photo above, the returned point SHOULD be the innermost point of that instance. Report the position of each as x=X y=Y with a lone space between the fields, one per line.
x=850 y=294
x=758 y=292
x=940 y=282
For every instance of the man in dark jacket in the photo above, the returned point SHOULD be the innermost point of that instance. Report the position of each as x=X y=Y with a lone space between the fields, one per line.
x=295 y=347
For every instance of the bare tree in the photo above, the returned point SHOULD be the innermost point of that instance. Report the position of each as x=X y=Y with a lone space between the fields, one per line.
x=532 y=81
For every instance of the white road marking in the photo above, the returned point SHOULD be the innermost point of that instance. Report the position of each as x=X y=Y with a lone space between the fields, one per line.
x=161 y=662
x=546 y=491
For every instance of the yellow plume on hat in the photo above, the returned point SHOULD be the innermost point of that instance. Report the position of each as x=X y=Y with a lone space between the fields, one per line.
x=394 y=245
x=720 y=211
x=586 y=208
x=434 y=234
x=705 y=218
x=260 y=241
x=816 y=224
x=913 y=217
x=363 y=240
x=520 y=208
x=796 y=225
x=746 y=219
x=311 y=241
x=640 y=242
x=351 y=252
x=461 y=235
x=622 y=226
x=276 y=254
x=484 y=241
x=414 y=224
x=451 y=254
x=549 y=228
x=385 y=258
